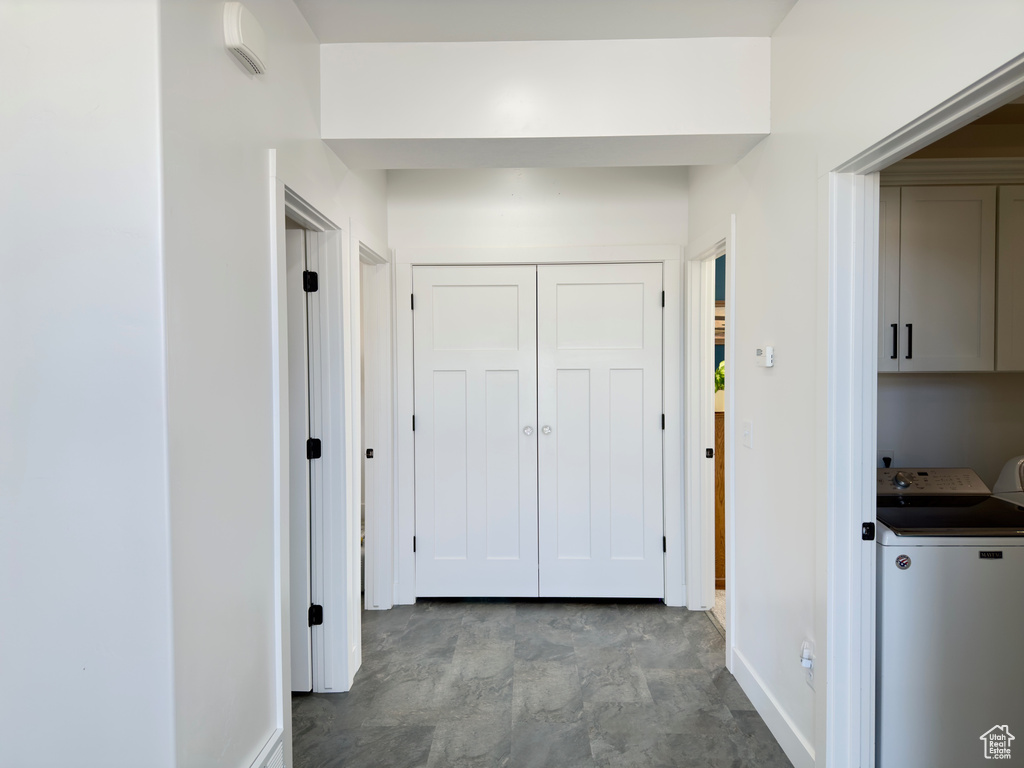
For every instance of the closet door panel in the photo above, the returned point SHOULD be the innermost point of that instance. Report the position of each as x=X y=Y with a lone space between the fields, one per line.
x=600 y=406
x=573 y=453
x=476 y=468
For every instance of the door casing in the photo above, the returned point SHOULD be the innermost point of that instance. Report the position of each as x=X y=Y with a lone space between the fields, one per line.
x=669 y=256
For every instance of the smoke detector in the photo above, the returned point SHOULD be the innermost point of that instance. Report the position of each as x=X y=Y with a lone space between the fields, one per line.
x=244 y=37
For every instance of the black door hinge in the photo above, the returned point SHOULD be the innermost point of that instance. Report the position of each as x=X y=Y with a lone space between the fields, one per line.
x=315 y=615
x=663 y=298
x=313 y=448
x=663 y=421
x=413 y=543
x=369 y=453
x=310 y=283
x=709 y=452
x=414 y=422
x=664 y=544
x=412 y=301
x=867 y=531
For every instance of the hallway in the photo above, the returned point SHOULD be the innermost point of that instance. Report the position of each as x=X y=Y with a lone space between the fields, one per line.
x=522 y=683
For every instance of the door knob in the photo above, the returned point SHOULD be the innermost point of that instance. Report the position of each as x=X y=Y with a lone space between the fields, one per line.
x=546 y=429
x=527 y=431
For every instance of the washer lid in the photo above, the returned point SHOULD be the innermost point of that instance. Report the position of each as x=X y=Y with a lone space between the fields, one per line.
x=956 y=516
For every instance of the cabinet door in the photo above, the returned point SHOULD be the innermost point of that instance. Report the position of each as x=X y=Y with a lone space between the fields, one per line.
x=947 y=278
x=1010 y=296
x=888 y=279
x=475 y=350
x=599 y=379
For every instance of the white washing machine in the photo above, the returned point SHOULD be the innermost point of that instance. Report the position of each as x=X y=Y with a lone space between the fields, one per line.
x=950 y=647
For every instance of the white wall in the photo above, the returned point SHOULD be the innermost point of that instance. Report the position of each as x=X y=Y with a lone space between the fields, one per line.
x=546 y=88
x=85 y=604
x=537 y=207
x=844 y=76
x=502 y=104
x=952 y=420
x=219 y=123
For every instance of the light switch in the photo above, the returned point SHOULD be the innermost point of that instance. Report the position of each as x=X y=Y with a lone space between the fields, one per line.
x=748 y=434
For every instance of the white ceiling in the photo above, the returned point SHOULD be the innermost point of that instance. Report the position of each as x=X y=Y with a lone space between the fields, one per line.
x=378 y=21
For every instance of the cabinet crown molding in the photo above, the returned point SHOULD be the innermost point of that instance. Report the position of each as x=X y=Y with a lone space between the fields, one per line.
x=969 y=170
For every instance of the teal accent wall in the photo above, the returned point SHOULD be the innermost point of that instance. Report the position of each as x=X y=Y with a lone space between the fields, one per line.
x=720 y=278
x=719 y=296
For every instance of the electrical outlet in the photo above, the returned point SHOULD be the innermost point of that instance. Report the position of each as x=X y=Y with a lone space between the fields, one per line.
x=807 y=661
x=886 y=453
x=748 y=434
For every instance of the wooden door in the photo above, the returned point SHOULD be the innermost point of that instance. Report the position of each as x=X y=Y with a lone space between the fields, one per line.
x=475 y=374
x=947 y=278
x=600 y=413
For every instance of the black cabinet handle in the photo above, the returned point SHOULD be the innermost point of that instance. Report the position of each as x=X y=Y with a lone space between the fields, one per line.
x=895 y=339
x=910 y=341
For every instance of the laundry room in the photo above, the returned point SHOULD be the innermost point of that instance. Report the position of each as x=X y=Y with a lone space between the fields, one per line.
x=951 y=334
x=950 y=440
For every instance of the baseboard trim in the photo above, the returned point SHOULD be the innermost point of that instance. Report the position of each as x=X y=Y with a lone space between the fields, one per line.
x=799 y=751
x=272 y=754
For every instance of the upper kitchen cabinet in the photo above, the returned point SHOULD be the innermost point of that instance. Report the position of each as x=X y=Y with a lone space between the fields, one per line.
x=944 y=319
x=1010 y=296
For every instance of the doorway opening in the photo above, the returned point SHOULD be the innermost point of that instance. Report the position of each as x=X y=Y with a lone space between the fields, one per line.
x=710 y=409
x=856 y=341
x=950 y=223
x=669 y=545
x=315 y=472
x=718 y=610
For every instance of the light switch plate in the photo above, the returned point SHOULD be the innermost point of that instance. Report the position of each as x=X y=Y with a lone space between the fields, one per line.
x=748 y=434
x=765 y=356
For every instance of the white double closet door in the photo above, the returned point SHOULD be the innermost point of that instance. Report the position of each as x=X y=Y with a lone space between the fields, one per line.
x=538 y=431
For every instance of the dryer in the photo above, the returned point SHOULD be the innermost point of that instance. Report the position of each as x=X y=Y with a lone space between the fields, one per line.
x=950 y=632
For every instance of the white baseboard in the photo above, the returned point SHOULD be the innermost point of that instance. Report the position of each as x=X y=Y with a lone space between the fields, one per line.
x=797 y=748
x=272 y=754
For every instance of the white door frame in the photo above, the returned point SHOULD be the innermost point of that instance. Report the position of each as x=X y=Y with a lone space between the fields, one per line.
x=852 y=409
x=378 y=425
x=405 y=259
x=699 y=392
x=699 y=426
x=336 y=554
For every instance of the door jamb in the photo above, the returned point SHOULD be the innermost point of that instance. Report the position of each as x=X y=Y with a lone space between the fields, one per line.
x=378 y=400
x=700 y=295
x=852 y=408
x=698 y=393
x=341 y=655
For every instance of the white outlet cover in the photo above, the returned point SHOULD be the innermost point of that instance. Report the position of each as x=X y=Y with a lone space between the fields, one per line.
x=748 y=434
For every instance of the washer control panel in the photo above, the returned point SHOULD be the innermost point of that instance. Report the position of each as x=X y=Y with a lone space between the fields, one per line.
x=930 y=481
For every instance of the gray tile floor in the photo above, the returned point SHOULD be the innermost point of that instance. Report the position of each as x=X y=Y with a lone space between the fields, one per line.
x=520 y=684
